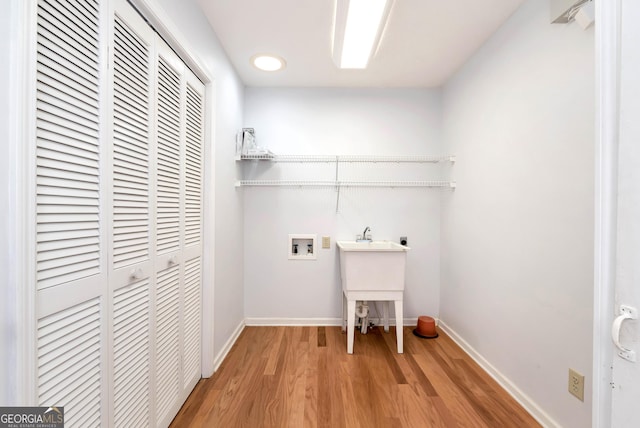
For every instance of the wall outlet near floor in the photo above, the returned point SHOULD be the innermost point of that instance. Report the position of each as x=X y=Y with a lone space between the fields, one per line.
x=326 y=242
x=576 y=384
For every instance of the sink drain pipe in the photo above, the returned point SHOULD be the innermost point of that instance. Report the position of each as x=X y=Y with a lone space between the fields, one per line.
x=362 y=312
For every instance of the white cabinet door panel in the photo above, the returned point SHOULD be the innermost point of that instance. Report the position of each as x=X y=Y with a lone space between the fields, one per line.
x=131 y=366
x=68 y=195
x=131 y=277
x=71 y=277
x=69 y=363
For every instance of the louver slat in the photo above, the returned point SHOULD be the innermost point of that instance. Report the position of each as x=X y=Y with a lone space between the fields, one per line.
x=131 y=211
x=131 y=355
x=69 y=355
x=67 y=143
x=168 y=168
x=193 y=166
x=191 y=353
x=167 y=341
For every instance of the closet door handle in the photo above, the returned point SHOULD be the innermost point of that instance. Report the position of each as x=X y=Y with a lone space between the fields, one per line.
x=626 y=313
x=136 y=274
x=173 y=260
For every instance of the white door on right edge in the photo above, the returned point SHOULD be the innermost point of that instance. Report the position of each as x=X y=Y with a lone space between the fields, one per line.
x=626 y=374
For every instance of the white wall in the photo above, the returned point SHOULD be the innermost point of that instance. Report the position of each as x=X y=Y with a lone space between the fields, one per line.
x=227 y=261
x=518 y=231
x=338 y=122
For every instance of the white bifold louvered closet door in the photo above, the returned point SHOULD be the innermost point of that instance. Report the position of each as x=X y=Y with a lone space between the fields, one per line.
x=119 y=167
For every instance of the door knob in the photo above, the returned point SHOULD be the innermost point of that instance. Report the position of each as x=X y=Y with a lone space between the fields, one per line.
x=626 y=313
x=136 y=274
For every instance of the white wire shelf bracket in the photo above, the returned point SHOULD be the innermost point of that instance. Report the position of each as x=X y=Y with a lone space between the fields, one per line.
x=346 y=184
x=348 y=158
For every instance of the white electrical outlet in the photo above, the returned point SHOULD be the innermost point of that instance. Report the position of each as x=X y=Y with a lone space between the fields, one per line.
x=326 y=242
x=576 y=384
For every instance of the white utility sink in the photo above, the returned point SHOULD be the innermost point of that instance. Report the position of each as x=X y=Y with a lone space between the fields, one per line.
x=376 y=265
x=372 y=271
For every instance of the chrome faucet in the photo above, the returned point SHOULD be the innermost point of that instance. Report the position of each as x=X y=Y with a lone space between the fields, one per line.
x=364 y=235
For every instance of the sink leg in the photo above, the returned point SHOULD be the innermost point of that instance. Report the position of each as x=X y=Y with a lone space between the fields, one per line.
x=399 y=322
x=351 y=323
x=385 y=315
x=344 y=312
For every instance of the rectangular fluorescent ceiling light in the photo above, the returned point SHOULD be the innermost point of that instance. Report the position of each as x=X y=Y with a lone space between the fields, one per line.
x=357 y=32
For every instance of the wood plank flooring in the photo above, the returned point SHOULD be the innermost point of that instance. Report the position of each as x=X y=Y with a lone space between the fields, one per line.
x=303 y=377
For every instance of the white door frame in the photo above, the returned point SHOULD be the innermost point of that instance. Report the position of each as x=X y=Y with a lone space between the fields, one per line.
x=606 y=172
x=22 y=124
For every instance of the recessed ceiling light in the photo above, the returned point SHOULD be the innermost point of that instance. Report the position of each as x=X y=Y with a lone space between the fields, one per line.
x=358 y=29
x=268 y=62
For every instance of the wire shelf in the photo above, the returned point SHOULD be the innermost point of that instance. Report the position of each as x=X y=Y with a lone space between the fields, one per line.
x=396 y=159
x=347 y=158
x=340 y=184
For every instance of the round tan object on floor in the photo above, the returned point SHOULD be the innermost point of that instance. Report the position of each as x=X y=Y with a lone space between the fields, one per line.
x=426 y=328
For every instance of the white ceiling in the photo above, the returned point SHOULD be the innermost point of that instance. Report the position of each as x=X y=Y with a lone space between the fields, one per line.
x=424 y=43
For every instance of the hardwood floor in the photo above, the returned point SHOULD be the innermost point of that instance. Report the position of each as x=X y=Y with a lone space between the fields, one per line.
x=303 y=377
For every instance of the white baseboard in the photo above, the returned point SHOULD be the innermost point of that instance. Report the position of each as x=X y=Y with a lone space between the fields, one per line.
x=227 y=346
x=525 y=401
x=254 y=321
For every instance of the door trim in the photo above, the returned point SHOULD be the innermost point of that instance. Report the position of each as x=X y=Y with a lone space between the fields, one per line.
x=22 y=122
x=607 y=65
